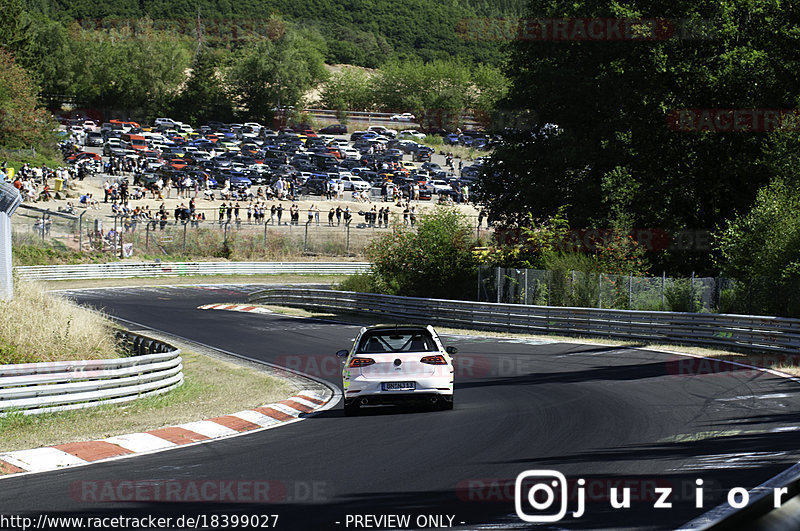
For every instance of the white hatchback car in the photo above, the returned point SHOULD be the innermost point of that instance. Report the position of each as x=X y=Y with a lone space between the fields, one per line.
x=391 y=364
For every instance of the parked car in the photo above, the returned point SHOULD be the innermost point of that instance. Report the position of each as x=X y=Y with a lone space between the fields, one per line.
x=94 y=138
x=404 y=117
x=351 y=182
x=411 y=134
x=147 y=179
x=334 y=129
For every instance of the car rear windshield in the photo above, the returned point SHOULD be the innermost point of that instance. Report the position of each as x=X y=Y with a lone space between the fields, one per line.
x=396 y=341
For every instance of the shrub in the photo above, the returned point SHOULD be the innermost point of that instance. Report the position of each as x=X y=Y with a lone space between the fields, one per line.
x=433 y=261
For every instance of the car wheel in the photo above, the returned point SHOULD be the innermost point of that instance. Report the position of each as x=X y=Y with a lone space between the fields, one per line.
x=445 y=404
x=351 y=409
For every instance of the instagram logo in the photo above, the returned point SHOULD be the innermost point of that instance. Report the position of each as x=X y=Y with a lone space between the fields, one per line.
x=536 y=492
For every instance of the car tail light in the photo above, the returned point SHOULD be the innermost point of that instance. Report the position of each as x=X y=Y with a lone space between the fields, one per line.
x=434 y=360
x=361 y=362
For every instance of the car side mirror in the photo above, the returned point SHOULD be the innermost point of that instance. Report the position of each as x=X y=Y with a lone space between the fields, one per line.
x=451 y=350
x=342 y=353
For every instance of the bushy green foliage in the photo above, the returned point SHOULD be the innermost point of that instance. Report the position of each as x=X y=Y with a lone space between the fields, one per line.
x=365 y=33
x=23 y=123
x=764 y=242
x=349 y=89
x=616 y=149
x=433 y=261
x=274 y=73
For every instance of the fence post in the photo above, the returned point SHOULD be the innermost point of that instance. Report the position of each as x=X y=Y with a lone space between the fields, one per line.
x=572 y=288
x=265 y=238
x=663 y=285
x=600 y=290
x=498 y=284
x=691 y=293
x=526 y=287
x=305 y=238
x=147 y=236
x=480 y=268
x=80 y=231
x=549 y=285
x=347 y=227
x=43 y=220
x=185 y=224
x=630 y=291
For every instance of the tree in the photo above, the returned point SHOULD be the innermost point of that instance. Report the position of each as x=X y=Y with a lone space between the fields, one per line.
x=203 y=97
x=435 y=260
x=611 y=99
x=15 y=26
x=269 y=74
x=348 y=90
x=130 y=67
x=22 y=122
x=764 y=242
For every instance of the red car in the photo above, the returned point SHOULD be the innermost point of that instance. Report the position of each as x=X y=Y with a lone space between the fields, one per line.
x=82 y=155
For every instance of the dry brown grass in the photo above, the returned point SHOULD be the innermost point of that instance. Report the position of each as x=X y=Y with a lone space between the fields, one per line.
x=38 y=326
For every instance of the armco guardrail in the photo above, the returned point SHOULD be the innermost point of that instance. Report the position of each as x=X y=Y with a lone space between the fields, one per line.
x=177 y=269
x=703 y=329
x=31 y=388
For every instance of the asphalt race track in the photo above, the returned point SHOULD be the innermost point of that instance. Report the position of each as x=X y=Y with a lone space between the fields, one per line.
x=615 y=417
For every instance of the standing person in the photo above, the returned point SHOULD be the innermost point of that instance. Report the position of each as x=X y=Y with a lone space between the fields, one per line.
x=338 y=215
x=280 y=212
x=316 y=215
x=481 y=217
x=229 y=212
x=250 y=212
x=412 y=215
x=406 y=212
x=272 y=211
x=347 y=215
x=236 y=212
x=310 y=214
x=373 y=216
x=222 y=212
x=331 y=213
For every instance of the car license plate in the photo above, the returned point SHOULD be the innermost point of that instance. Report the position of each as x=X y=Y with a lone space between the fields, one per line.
x=399 y=386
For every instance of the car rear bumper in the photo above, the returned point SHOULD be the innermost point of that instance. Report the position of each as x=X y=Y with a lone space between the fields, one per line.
x=399 y=398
